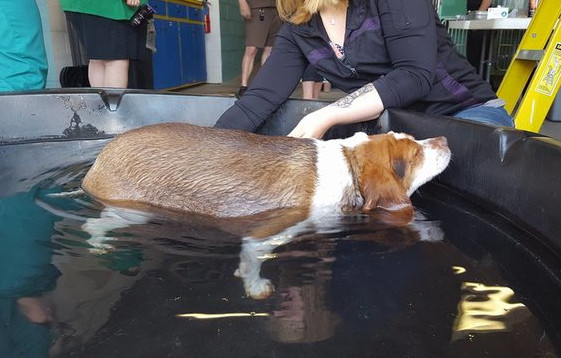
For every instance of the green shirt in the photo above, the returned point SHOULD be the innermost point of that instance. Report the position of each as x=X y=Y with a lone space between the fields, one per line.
x=111 y=9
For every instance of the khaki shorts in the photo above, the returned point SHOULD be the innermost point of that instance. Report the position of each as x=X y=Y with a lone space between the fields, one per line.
x=261 y=33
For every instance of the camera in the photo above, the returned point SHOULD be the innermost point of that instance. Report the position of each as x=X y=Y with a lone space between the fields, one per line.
x=142 y=15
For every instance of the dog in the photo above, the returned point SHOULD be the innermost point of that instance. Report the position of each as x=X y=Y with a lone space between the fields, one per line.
x=230 y=175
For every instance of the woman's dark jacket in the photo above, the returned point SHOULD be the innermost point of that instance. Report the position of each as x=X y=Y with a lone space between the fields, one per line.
x=398 y=45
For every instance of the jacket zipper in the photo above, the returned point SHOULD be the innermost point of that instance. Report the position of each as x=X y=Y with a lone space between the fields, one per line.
x=342 y=61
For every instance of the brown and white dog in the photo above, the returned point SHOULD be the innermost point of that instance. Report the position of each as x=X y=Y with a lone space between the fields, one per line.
x=232 y=174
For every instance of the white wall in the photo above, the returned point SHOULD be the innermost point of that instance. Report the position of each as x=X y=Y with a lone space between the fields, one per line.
x=213 y=45
x=56 y=40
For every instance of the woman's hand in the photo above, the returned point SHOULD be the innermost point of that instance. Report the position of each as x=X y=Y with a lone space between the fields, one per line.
x=361 y=105
x=133 y=3
x=311 y=126
x=245 y=11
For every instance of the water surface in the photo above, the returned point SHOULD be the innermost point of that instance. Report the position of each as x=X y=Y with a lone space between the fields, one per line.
x=471 y=285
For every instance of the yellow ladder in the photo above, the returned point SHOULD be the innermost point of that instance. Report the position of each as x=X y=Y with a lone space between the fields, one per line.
x=541 y=45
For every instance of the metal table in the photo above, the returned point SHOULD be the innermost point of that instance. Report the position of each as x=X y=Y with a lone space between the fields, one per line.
x=487 y=26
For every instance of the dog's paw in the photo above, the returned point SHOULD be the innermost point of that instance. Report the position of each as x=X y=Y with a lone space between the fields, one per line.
x=259 y=289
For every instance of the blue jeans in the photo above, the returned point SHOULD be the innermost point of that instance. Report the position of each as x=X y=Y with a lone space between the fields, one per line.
x=495 y=116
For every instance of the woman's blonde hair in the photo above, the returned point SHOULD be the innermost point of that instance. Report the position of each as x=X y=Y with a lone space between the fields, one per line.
x=301 y=11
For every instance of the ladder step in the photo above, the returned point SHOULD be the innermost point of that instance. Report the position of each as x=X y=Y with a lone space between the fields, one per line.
x=533 y=77
x=532 y=55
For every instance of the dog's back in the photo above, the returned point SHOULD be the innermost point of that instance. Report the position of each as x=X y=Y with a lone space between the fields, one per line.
x=204 y=170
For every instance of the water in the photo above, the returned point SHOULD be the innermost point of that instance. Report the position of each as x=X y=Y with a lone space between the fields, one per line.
x=480 y=287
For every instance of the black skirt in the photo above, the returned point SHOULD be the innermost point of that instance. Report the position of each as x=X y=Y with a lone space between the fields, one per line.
x=107 y=39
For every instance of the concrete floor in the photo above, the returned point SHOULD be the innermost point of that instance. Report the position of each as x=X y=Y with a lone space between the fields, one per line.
x=232 y=87
x=549 y=128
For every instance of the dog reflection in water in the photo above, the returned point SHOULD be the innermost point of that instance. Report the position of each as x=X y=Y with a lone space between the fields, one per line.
x=286 y=186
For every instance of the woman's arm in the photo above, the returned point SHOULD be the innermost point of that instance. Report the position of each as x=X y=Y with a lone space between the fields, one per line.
x=245 y=11
x=272 y=86
x=411 y=42
x=361 y=105
x=410 y=36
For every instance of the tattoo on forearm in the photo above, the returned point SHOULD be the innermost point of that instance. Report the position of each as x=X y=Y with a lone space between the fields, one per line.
x=348 y=100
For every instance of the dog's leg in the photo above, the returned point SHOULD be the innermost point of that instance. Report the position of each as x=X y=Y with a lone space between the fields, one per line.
x=110 y=219
x=253 y=253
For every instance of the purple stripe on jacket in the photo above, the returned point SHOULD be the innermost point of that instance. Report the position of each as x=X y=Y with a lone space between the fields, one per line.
x=369 y=24
x=459 y=91
x=317 y=54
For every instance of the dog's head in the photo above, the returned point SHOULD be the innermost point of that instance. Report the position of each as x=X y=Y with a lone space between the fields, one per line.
x=390 y=167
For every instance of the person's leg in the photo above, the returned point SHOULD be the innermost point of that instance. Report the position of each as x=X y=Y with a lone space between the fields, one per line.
x=112 y=73
x=256 y=31
x=247 y=63
x=308 y=89
x=311 y=89
x=496 y=116
x=116 y=73
x=96 y=73
x=317 y=89
x=265 y=54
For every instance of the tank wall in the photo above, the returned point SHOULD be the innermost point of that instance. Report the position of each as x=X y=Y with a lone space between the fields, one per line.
x=516 y=173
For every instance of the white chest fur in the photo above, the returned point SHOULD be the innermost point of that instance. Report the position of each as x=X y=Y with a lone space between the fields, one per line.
x=333 y=174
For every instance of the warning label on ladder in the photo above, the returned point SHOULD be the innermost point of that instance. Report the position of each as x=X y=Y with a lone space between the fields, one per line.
x=551 y=73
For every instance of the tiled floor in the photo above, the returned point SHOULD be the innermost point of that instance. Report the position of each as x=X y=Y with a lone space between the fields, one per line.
x=549 y=128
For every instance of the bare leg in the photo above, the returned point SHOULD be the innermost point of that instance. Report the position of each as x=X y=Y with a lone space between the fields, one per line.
x=96 y=73
x=308 y=89
x=265 y=55
x=116 y=73
x=247 y=63
x=317 y=89
x=311 y=89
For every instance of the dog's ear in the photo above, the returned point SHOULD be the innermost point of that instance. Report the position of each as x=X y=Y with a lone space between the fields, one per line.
x=384 y=194
x=381 y=184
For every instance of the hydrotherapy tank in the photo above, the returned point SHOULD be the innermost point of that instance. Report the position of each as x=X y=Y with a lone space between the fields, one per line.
x=498 y=202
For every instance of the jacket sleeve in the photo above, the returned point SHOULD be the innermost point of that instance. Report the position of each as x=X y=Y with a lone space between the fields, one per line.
x=410 y=34
x=272 y=86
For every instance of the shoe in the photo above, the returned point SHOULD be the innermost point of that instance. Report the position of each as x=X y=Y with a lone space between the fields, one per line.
x=241 y=91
